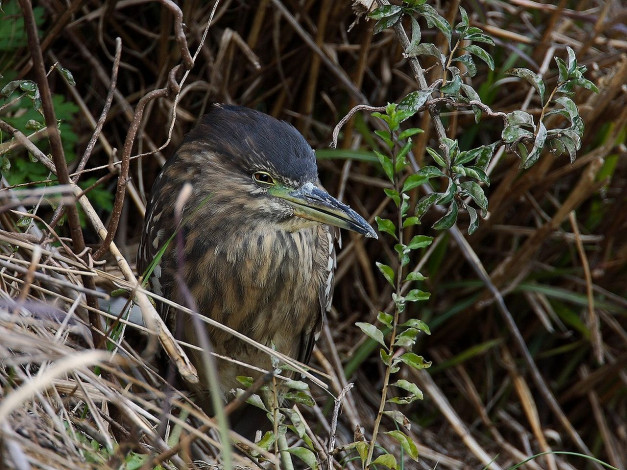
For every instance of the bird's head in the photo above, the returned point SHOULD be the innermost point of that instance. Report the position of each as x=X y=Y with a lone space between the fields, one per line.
x=254 y=168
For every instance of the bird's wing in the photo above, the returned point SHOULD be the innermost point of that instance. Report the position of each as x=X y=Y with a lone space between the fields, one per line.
x=153 y=240
x=325 y=258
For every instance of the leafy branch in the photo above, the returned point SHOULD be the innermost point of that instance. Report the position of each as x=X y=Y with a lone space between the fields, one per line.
x=400 y=336
x=465 y=172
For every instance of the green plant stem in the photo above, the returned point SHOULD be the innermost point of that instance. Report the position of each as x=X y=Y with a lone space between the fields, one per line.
x=546 y=105
x=419 y=74
x=399 y=277
x=450 y=60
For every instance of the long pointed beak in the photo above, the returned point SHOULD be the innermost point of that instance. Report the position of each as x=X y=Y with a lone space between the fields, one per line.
x=313 y=203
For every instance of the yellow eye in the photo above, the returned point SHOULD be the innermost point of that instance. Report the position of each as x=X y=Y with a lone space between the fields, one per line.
x=263 y=178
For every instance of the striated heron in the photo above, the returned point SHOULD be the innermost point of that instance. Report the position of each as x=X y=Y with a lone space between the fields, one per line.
x=258 y=230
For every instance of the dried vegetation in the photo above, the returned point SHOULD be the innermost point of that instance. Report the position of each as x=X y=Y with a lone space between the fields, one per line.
x=554 y=243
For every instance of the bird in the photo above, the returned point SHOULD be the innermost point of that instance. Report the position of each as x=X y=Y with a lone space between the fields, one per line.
x=259 y=234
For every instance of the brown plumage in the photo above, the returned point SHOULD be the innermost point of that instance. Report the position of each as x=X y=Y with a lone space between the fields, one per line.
x=258 y=249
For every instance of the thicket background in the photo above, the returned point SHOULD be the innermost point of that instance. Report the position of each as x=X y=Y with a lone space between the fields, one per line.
x=554 y=242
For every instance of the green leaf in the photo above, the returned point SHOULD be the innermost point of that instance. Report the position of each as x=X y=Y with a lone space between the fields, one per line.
x=414 y=360
x=566 y=143
x=397 y=416
x=448 y=195
x=570 y=107
x=476 y=193
x=401 y=157
x=404 y=205
x=33 y=125
x=386 y=225
x=410 y=387
x=572 y=60
x=452 y=87
x=245 y=381
x=387 y=460
x=485 y=157
x=66 y=74
x=482 y=54
x=411 y=221
x=465 y=157
x=511 y=134
x=472 y=95
x=479 y=37
x=587 y=84
x=385 y=12
x=467 y=60
x=532 y=78
x=482 y=155
x=407 y=338
x=28 y=86
x=572 y=134
x=300 y=397
x=415 y=276
x=415 y=323
x=387 y=272
x=385 y=318
x=362 y=449
x=296 y=385
x=430 y=172
x=447 y=221
x=413 y=102
x=388 y=360
x=256 y=401
x=419 y=241
x=413 y=181
x=437 y=157
x=387 y=22
x=416 y=34
x=474 y=220
x=556 y=146
x=517 y=118
x=417 y=295
x=267 y=440
x=435 y=19
x=426 y=49
x=464 y=16
x=403 y=253
x=538 y=146
x=406 y=443
x=393 y=194
x=297 y=422
x=562 y=70
x=385 y=136
x=409 y=133
x=305 y=455
x=399 y=301
x=10 y=88
x=425 y=203
x=471 y=172
x=386 y=164
x=452 y=146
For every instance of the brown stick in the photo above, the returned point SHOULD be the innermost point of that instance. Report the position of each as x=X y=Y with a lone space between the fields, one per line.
x=58 y=156
x=120 y=192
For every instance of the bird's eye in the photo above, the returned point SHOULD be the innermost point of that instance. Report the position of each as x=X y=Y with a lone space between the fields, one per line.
x=263 y=178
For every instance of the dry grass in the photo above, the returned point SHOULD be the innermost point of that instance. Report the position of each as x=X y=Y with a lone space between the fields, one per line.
x=553 y=245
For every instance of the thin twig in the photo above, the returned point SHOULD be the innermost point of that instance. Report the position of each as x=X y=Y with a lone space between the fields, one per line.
x=172 y=87
x=593 y=320
x=56 y=147
x=359 y=107
x=336 y=413
x=103 y=114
